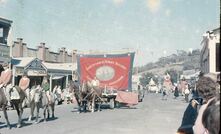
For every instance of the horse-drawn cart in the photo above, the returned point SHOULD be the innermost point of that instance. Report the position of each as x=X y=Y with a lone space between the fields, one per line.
x=105 y=75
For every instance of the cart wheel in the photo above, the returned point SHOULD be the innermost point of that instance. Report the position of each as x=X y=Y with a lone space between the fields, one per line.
x=112 y=105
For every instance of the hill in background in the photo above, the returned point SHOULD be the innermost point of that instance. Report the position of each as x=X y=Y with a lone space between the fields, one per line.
x=179 y=62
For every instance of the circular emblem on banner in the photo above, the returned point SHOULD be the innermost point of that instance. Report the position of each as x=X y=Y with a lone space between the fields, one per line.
x=105 y=73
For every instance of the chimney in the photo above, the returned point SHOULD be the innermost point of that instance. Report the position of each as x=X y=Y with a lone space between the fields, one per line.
x=74 y=56
x=42 y=51
x=20 y=47
x=42 y=44
x=63 y=54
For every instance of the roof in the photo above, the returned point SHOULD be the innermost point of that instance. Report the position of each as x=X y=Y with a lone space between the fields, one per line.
x=216 y=29
x=189 y=75
x=5 y=22
x=22 y=61
x=99 y=52
x=60 y=66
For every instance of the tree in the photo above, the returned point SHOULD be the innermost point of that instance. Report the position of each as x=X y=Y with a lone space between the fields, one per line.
x=145 y=79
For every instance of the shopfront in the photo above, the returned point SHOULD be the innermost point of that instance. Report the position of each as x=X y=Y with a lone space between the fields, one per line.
x=60 y=73
x=33 y=67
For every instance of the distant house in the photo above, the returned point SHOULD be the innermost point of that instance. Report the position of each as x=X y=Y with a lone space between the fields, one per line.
x=189 y=74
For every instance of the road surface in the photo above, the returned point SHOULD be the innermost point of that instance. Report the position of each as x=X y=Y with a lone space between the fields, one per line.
x=152 y=116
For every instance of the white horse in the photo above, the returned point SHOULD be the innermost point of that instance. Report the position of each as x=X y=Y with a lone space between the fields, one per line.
x=3 y=104
x=39 y=100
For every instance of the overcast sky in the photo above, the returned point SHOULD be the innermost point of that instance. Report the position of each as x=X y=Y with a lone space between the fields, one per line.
x=154 y=27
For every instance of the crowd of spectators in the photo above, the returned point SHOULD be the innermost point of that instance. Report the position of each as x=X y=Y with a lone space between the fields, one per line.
x=202 y=115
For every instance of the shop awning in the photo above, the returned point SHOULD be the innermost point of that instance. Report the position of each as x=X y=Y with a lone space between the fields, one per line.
x=57 y=77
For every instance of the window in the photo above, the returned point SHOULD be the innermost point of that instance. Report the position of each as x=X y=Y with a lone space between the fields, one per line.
x=217 y=57
x=1 y=32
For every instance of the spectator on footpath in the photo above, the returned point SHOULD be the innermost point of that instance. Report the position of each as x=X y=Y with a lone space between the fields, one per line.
x=186 y=94
x=189 y=117
x=211 y=116
x=208 y=88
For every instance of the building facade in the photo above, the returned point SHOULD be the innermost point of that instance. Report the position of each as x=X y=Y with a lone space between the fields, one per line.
x=4 y=54
x=210 y=52
x=36 y=69
x=20 y=49
x=5 y=26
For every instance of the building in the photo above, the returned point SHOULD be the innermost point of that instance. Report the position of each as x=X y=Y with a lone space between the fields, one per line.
x=190 y=74
x=20 y=49
x=4 y=53
x=36 y=62
x=210 y=52
x=57 y=73
x=5 y=26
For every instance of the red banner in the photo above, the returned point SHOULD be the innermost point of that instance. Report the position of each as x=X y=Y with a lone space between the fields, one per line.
x=112 y=72
x=127 y=97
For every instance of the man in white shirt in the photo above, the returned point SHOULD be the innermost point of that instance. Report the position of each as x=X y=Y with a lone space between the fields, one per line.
x=95 y=82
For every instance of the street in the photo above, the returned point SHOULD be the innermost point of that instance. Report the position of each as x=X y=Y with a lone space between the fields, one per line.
x=152 y=116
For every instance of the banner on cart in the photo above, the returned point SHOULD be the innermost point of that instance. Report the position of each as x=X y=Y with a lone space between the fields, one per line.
x=112 y=71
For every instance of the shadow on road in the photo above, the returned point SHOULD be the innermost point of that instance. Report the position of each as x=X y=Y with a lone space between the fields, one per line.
x=50 y=119
x=14 y=125
x=3 y=125
x=107 y=107
x=126 y=107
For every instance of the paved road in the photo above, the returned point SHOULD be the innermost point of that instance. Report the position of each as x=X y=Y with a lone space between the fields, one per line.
x=152 y=116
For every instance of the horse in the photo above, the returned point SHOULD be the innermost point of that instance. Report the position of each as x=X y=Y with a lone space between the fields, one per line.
x=94 y=100
x=34 y=99
x=87 y=96
x=3 y=105
x=40 y=100
x=80 y=93
x=17 y=97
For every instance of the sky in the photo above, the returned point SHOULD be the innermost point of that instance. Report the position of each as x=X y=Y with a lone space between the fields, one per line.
x=152 y=28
